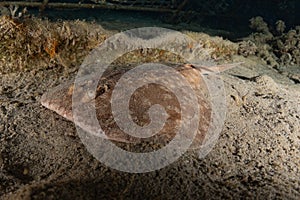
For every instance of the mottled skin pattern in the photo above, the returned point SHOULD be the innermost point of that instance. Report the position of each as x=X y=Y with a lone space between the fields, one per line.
x=59 y=99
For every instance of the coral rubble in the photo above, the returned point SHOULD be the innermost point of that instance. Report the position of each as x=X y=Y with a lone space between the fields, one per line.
x=273 y=44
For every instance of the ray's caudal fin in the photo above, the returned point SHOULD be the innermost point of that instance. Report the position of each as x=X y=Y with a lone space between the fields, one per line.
x=213 y=69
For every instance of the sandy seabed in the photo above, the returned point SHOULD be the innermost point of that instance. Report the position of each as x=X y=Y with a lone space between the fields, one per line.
x=256 y=156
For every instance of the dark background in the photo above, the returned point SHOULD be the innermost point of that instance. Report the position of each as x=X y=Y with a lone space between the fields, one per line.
x=228 y=15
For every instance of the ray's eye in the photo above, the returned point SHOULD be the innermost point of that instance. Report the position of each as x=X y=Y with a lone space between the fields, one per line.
x=102 y=89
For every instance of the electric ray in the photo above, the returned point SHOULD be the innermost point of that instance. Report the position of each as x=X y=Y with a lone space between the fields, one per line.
x=59 y=99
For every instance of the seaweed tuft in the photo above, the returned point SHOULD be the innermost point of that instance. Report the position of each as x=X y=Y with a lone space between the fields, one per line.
x=34 y=43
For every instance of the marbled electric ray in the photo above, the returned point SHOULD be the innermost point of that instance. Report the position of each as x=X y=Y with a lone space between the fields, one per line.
x=59 y=99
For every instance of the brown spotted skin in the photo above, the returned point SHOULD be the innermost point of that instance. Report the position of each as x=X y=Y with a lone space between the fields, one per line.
x=59 y=99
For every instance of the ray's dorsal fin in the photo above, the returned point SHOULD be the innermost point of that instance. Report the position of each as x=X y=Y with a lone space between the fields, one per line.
x=213 y=69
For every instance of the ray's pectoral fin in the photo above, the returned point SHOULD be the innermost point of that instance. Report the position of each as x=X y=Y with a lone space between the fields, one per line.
x=216 y=68
x=59 y=99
